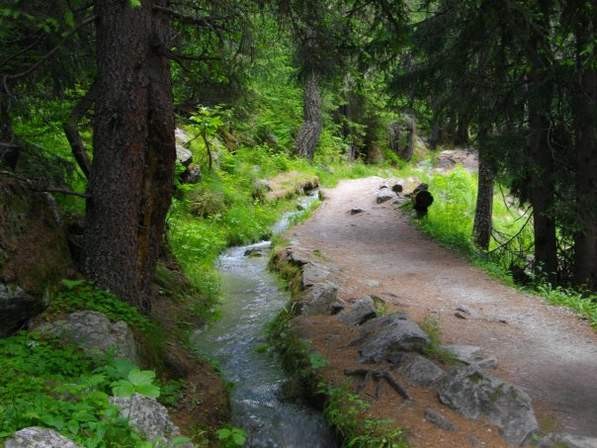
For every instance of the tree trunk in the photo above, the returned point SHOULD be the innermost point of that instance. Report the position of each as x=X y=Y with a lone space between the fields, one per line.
x=585 y=241
x=542 y=181
x=461 y=138
x=483 y=211
x=131 y=179
x=308 y=136
x=9 y=150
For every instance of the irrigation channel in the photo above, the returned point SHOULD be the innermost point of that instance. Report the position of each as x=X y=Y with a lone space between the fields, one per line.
x=252 y=297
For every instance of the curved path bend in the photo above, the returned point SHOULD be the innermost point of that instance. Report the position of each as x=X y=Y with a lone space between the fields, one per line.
x=547 y=350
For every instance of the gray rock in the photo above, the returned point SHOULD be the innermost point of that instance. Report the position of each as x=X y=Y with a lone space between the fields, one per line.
x=182 y=138
x=191 y=175
x=95 y=334
x=439 y=420
x=383 y=336
x=475 y=394
x=360 y=312
x=356 y=211
x=36 y=437
x=562 y=440
x=148 y=417
x=183 y=155
x=262 y=185
x=471 y=355
x=385 y=195
x=420 y=370
x=16 y=308
x=312 y=274
x=319 y=299
x=397 y=188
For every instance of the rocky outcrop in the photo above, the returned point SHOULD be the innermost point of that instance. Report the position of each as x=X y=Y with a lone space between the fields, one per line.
x=439 y=420
x=95 y=334
x=150 y=418
x=475 y=394
x=384 y=195
x=34 y=253
x=383 y=337
x=16 y=308
x=567 y=441
x=36 y=437
x=359 y=312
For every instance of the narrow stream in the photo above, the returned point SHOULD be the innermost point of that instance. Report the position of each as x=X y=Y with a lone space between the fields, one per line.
x=252 y=298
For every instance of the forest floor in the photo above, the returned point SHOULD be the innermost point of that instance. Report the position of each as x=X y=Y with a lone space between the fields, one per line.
x=548 y=351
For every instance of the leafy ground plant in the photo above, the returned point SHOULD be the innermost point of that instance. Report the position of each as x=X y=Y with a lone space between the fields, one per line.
x=231 y=437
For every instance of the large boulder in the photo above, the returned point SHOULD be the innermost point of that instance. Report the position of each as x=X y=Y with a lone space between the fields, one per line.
x=183 y=155
x=318 y=299
x=562 y=440
x=16 y=307
x=383 y=337
x=312 y=274
x=150 y=418
x=475 y=394
x=95 y=334
x=36 y=437
x=34 y=253
x=360 y=312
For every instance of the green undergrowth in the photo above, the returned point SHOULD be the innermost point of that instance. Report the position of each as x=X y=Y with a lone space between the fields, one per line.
x=345 y=411
x=47 y=383
x=450 y=221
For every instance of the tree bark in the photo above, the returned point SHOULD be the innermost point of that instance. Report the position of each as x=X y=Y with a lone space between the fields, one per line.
x=308 y=136
x=131 y=179
x=484 y=209
x=542 y=176
x=9 y=151
x=585 y=111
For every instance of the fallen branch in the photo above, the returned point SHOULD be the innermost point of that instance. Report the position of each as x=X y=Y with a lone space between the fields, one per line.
x=377 y=376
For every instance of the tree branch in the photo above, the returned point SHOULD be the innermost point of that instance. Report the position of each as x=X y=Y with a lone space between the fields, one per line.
x=49 y=54
x=72 y=133
x=206 y=22
x=43 y=189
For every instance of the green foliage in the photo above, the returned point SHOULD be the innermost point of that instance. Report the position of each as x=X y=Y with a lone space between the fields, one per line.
x=231 y=437
x=136 y=382
x=346 y=412
x=77 y=295
x=434 y=350
x=46 y=384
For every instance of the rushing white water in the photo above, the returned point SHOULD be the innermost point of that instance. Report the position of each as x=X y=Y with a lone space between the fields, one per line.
x=251 y=298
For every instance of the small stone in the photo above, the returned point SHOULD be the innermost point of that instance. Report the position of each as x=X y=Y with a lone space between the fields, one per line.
x=356 y=211
x=471 y=355
x=397 y=188
x=460 y=315
x=191 y=175
x=439 y=420
x=36 y=437
x=463 y=309
x=385 y=195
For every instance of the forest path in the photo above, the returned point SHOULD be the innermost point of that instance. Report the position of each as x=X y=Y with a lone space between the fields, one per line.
x=547 y=350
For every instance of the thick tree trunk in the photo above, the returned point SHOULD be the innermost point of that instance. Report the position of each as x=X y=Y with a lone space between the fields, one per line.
x=542 y=178
x=483 y=211
x=9 y=150
x=462 y=138
x=585 y=242
x=308 y=135
x=131 y=179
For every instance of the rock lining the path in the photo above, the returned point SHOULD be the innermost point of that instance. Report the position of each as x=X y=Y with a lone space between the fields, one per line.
x=16 y=308
x=319 y=299
x=359 y=312
x=420 y=370
x=384 y=336
x=385 y=195
x=37 y=437
x=471 y=355
x=475 y=394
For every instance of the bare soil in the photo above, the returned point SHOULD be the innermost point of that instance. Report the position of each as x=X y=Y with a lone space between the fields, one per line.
x=548 y=351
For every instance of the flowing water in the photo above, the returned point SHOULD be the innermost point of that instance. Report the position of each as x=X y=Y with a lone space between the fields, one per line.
x=251 y=298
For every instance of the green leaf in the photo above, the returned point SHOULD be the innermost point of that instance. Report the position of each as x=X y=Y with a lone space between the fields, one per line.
x=141 y=377
x=123 y=388
x=224 y=433
x=135 y=3
x=69 y=19
x=72 y=284
x=239 y=438
x=148 y=390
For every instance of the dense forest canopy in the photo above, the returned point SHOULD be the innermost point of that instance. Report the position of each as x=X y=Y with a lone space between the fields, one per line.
x=515 y=79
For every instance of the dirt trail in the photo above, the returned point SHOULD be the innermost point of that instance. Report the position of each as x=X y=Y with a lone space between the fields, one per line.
x=548 y=351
